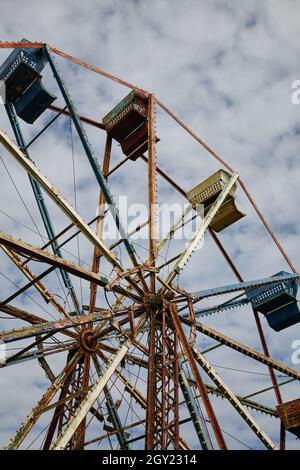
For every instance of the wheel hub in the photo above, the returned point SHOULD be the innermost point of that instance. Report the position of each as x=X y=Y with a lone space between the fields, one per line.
x=87 y=340
x=152 y=300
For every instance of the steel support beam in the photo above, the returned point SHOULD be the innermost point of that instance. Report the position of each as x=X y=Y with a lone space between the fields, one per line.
x=157 y=415
x=28 y=285
x=152 y=196
x=20 y=45
x=41 y=132
x=41 y=288
x=21 y=314
x=88 y=150
x=81 y=383
x=100 y=224
x=142 y=401
x=200 y=384
x=53 y=260
x=54 y=194
x=162 y=414
x=41 y=201
x=90 y=399
x=113 y=411
x=237 y=346
x=241 y=286
x=94 y=69
x=233 y=400
x=196 y=417
x=188 y=251
x=254 y=405
x=59 y=410
x=38 y=354
x=32 y=418
x=84 y=119
x=53 y=326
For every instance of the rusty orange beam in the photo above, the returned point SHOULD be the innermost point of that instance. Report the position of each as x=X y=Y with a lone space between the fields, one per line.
x=85 y=119
x=184 y=126
x=242 y=184
x=37 y=45
x=166 y=177
x=195 y=136
x=100 y=223
x=152 y=191
x=167 y=110
x=96 y=70
x=198 y=379
x=20 y=45
x=267 y=226
x=240 y=279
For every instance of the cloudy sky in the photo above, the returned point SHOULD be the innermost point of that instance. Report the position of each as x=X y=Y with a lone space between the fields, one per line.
x=226 y=68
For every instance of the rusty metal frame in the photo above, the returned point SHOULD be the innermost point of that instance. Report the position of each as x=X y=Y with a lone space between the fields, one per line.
x=72 y=425
x=100 y=224
x=32 y=418
x=44 y=256
x=233 y=400
x=42 y=289
x=200 y=384
x=39 y=197
x=241 y=348
x=152 y=170
x=162 y=415
x=93 y=162
x=188 y=251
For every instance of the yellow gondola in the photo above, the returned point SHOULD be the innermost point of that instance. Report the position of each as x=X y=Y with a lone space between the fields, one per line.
x=206 y=194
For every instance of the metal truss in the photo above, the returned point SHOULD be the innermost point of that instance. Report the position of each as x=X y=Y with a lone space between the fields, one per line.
x=144 y=330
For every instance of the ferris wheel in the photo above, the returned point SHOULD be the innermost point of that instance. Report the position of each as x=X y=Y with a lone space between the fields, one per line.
x=133 y=372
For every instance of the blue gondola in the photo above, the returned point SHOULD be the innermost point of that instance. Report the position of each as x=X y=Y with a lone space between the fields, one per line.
x=21 y=74
x=278 y=303
x=34 y=101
